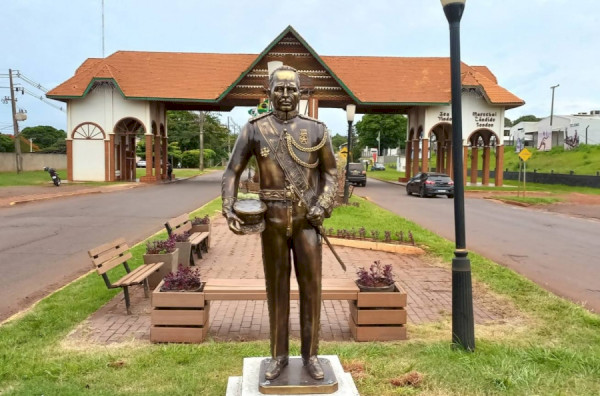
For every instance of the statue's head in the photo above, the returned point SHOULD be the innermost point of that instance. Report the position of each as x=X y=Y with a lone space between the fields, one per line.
x=284 y=86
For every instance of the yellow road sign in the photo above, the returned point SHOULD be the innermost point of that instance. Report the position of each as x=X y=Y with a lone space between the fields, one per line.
x=525 y=154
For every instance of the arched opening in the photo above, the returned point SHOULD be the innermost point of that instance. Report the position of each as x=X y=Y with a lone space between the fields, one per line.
x=123 y=153
x=439 y=144
x=481 y=143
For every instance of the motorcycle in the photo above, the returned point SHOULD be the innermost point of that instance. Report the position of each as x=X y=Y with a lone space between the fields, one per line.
x=53 y=175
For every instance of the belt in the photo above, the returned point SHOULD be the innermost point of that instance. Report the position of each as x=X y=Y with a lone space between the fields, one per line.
x=278 y=195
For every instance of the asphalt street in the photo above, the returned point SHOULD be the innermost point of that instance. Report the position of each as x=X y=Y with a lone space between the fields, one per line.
x=43 y=245
x=558 y=252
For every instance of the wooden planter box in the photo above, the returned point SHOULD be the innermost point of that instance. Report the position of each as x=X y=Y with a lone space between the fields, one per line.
x=202 y=228
x=178 y=316
x=170 y=260
x=379 y=316
x=185 y=253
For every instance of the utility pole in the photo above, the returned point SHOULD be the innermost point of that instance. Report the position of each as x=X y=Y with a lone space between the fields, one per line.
x=201 y=166
x=13 y=105
x=552 y=105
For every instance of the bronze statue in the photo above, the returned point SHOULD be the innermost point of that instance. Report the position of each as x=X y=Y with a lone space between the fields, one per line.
x=298 y=179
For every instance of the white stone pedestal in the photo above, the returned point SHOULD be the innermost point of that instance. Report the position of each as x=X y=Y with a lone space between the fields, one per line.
x=247 y=384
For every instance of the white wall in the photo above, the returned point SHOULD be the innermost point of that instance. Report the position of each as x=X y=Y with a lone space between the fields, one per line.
x=33 y=161
x=88 y=160
x=477 y=113
x=105 y=106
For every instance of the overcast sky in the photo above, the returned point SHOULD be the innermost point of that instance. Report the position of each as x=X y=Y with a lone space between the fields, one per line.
x=529 y=45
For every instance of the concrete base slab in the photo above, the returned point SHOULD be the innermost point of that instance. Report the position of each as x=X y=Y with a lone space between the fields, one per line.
x=248 y=384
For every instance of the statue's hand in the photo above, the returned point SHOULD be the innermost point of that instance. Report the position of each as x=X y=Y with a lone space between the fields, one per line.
x=315 y=215
x=234 y=222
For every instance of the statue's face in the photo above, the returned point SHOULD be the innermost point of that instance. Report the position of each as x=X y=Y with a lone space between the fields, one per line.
x=285 y=92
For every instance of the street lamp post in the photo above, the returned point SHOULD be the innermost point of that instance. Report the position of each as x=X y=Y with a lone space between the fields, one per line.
x=350 y=110
x=463 y=329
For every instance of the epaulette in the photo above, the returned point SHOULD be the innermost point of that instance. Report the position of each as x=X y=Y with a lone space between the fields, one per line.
x=310 y=118
x=258 y=117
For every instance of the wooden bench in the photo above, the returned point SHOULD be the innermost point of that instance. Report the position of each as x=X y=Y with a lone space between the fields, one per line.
x=199 y=240
x=112 y=254
x=254 y=289
x=373 y=316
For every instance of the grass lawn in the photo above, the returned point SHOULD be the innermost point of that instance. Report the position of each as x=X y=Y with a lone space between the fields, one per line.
x=179 y=173
x=554 y=348
x=36 y=178
x=386 y=175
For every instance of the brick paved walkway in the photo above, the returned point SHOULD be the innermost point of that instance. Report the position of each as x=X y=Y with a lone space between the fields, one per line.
x=232 y=256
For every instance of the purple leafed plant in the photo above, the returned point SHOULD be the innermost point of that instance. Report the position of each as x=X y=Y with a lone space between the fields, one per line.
x=184 y=279
x=375 y=234
x=387 y=236
x=376 y=275
x=201 y=220
x=183 y=237
x=362 y=232
x=161 y=247
x=400 y=236
x=411 y=238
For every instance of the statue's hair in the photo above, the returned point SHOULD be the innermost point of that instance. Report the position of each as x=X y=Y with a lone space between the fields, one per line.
x=283 y=67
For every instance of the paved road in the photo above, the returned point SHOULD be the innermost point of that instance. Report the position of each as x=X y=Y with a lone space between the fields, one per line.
x=43 y=245
x=560 y=253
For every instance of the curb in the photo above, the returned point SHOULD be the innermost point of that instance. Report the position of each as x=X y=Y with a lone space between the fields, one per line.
x=71 y=194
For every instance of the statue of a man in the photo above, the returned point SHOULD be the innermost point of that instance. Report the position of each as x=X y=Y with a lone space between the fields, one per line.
x=298 y=181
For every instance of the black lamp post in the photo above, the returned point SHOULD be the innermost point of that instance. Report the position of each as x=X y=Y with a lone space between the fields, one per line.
x=350 y=110
x=463 y=329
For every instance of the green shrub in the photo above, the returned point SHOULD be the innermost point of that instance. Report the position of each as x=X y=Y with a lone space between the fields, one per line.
x=191 y=158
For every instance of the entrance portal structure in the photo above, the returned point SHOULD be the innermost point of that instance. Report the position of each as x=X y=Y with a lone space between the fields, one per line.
x=143 y=86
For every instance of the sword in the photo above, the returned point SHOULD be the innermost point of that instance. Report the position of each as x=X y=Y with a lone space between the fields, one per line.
x=321 y=231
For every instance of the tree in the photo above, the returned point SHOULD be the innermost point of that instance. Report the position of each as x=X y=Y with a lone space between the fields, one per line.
x=44 y=135
x=526 y=118
x=337 y=141
x=184 y=128
x=507 y=122
x=191 y=158
x=392 y=128
x=7 y=145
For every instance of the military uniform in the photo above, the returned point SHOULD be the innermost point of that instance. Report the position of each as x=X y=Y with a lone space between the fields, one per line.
x=297 y=171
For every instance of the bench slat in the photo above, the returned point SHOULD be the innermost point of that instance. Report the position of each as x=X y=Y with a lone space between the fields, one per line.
x=110 y=264
x=181 y=228
x=107 y=246
x=178 y=221
x=109 y=254
x=198 y=237
x=138 y=275
x=254 y=289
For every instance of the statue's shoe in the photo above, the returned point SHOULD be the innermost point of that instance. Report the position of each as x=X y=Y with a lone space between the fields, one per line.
x=314 y=368
x=274 y=368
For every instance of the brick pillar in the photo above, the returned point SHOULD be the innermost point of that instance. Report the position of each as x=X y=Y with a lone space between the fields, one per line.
x=425 y=156
x=465 y=158
x=474 y=164
x=407 y=160
x=439 y=157
x=111 y=156
x=69 y=160
x=148 y=155
x=122 y=156
x=485 y=178
x=313 y=107
x=499 y=166
x=164 y=157
x=415 y=159
x=156 y=157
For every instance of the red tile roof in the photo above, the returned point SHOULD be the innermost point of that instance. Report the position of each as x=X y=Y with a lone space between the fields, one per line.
x=205 y=77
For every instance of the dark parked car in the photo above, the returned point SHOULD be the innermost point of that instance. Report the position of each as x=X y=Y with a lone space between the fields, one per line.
x=377 y=166
x=357 y=174
x=428 y=184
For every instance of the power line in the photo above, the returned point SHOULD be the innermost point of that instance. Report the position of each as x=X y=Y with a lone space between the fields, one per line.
x=30 y=81
x=43 y=99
